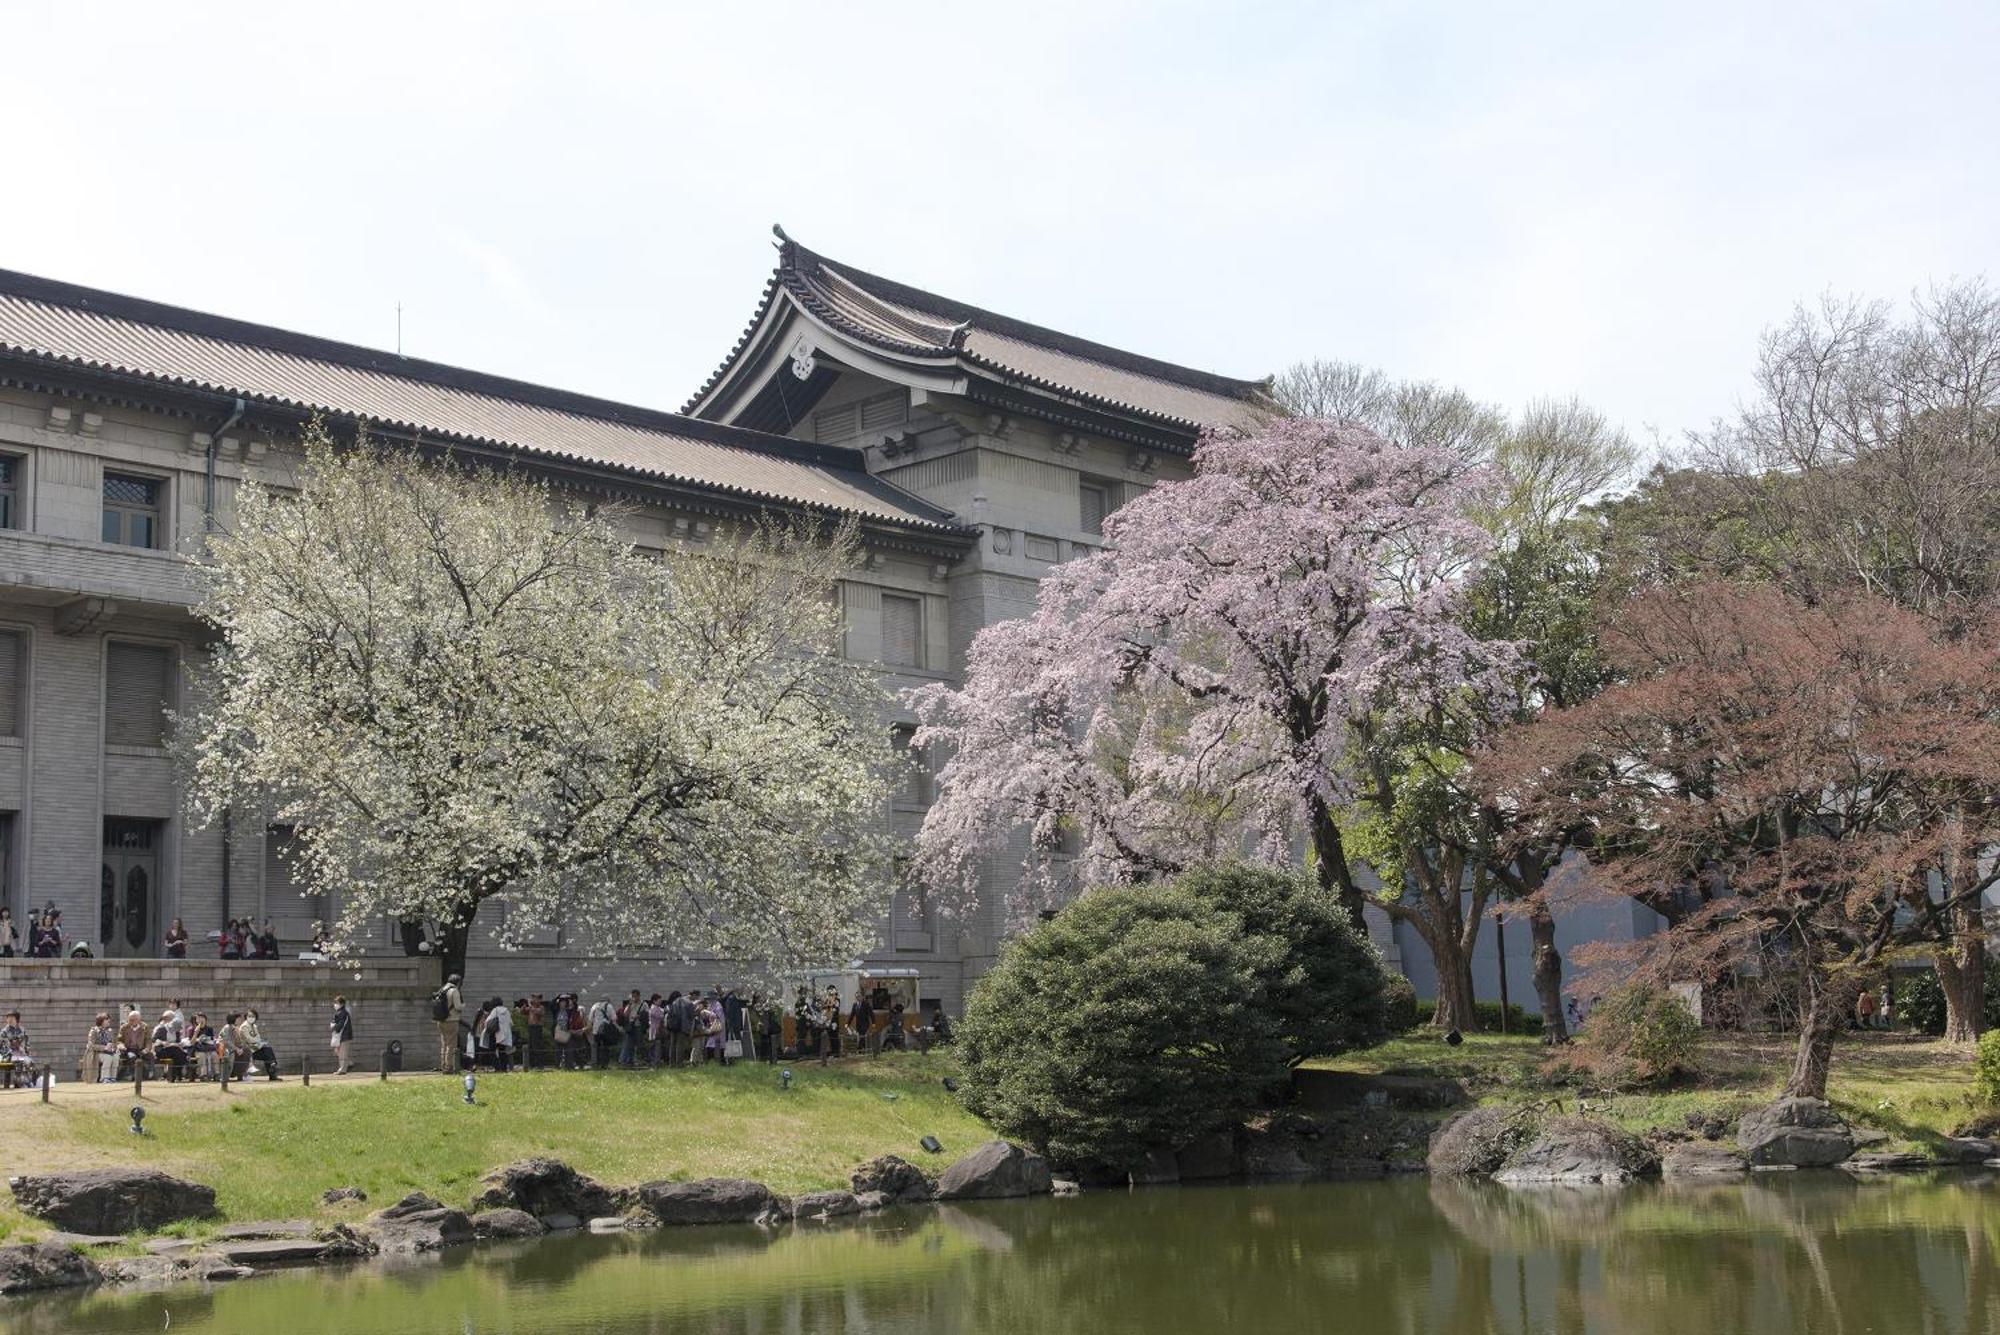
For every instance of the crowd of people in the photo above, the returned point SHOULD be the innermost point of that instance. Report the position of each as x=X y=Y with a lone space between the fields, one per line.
x=676 y=1029
x=44 y=937
x=179 y=1046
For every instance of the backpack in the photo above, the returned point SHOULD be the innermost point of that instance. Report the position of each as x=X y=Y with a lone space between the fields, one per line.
x=441 y=1005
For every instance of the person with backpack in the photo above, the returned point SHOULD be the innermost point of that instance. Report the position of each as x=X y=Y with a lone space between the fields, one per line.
x=447 y=1007
x=500 y=1035
x=603 y=1027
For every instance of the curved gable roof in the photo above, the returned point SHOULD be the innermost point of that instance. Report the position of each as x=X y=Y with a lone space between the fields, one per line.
x=902 y=321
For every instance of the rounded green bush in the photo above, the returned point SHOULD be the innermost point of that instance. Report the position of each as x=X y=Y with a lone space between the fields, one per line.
x=1142 y=1018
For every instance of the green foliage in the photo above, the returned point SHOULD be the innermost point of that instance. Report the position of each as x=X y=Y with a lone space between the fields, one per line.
x=1919 y=1001
x=1147 y=1016
x=1520 y=1020
x=1643 y=1035
x=1326 y=983
x=1400 y=1006
x=1132 y=1019
x=1986 y=1069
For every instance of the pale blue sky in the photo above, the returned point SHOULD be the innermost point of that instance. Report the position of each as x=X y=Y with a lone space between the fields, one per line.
x=1522 y=199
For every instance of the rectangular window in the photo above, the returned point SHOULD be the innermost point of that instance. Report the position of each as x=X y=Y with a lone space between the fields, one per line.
x=138 y=687
x=132 y=510
x=13 y=677
x=902 y=631
x=1093 y=503
x=10 y=491
x=292 y=911
x=913 y=770
x=910 y=922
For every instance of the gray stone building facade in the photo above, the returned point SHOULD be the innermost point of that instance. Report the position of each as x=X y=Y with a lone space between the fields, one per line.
x=975 y=451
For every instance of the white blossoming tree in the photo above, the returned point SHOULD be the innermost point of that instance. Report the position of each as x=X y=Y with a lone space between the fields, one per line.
x=454 y=683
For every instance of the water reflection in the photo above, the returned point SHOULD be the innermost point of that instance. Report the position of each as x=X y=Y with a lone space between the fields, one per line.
x=1792 y=1253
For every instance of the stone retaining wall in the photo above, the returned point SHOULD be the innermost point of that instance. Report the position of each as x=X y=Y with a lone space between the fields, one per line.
x=390 y=1000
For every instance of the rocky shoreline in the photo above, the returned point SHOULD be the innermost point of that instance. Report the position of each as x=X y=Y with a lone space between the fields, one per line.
x=1518 y=1146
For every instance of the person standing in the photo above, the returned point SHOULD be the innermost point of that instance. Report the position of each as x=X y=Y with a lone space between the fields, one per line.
x=1864 y=1009
x=101 y=1049
x=448 y=1009
x=537 y=1016
x=500 y=1035
x=340 y=1033
x=10 y=935
x=732 y=1021
x=863 y=1016
x=176 y=940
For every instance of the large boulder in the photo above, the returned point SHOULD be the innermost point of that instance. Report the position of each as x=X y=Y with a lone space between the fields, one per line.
x=545 y=1187
x=1794 y=1133
x=897 y=1179
x=47 y=1265
x=506 y=1222
x=1703 y=1158
x=418 y=1223
x=822 y=1205
x=712 y=1200
x=112 y=1200
x=1579 y=1149
x=1968 y=1149
x=994 y=1170
x=1477 y=1143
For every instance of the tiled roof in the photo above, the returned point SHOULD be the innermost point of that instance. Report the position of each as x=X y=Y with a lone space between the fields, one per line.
x=65 y=325
x=908 y=321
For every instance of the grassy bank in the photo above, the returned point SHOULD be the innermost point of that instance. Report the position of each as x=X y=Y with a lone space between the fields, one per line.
x=270 y=1151
x=1916 y=1091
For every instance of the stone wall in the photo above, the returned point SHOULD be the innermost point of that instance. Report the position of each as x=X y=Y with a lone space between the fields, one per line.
x=390 y=1000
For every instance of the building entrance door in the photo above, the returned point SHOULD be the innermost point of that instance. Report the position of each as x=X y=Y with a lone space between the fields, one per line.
x=129 y=888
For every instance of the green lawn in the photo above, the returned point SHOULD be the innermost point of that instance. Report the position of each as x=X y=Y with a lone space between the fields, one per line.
x=1915 y=1090
x=270 y=1152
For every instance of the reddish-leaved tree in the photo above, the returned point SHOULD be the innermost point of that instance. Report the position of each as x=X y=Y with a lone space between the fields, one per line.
x=1800 y=785
x=1190 y=691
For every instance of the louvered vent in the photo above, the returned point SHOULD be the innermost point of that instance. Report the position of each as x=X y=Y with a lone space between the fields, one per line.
x=136 y=694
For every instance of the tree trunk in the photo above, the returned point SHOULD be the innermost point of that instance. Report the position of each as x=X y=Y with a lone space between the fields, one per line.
x=1455 y=1008
x=1548 y=972
x=1961 y=972
x=1823 y=1011
x=1330 y=864
x=452 y=939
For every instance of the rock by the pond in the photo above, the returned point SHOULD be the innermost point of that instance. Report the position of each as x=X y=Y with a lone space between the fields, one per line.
x=269 y=1251
x=86 y=1239
x=1210 y=1157
x=896 y=1178
x=1478 y=1142
x=1968 y=1149
x=171 y=1246
x=1795 y=1132
x=1703 y=1158
x=266 y=1229
x=112 y=1200
x=1156 y=1169
x=418 y=1223
x=507 y=1223
x=338 y=1195
x=996 y=1169
x=711 y=1200
x=867 y=1201
x=825 y=1205
x=1579 y=1149
x=46 y=1265
x=546 y=1187
x=1062 y=1186
x=608 y=1223
x=561 y=1223
x=1887 y=1163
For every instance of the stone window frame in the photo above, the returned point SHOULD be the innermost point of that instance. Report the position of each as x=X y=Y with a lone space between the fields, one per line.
x=127 y=510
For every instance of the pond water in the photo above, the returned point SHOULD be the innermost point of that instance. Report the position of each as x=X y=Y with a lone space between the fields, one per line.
x=1793 y=1253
